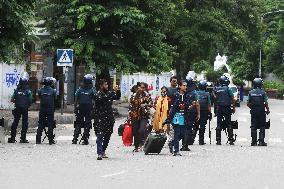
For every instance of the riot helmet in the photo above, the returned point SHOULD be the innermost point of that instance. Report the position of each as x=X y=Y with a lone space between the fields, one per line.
x=257 y=83
x=224 y=81
x=202 y=85
x=88 y=79
x=47 y=81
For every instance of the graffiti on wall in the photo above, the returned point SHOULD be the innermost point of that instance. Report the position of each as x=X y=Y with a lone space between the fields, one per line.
x=12 y=78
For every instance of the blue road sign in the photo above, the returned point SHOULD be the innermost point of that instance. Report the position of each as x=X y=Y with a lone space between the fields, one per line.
x=65 y=57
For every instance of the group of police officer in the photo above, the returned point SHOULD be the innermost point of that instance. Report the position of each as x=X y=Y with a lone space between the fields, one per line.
x=191 y=111
x=193 y=104
x=22 y=97
x=225 y=107
x=84 y=109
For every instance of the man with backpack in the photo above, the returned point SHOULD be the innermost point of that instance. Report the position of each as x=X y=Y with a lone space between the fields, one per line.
x=258 y=102
x=22 y=98
x=84 y=97
x=205 y=111
x=47 y=96
x=224 y=100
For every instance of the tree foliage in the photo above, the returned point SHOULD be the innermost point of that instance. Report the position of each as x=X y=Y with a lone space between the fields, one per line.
x=15 y=26
x=126 y=35
x=208 y=27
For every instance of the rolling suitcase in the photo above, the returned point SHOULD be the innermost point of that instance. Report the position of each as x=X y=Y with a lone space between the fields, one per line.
x=154 y=143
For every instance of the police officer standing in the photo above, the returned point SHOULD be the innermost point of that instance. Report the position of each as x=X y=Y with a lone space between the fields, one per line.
x=205 y=111
x=84 y=97
x=224 y=100
x=47 y=96
x=22 y=98
x=192 y=113
x=257 y=102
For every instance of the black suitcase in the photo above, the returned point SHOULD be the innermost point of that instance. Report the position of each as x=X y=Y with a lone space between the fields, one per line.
x=154 y=143
x=120 y=129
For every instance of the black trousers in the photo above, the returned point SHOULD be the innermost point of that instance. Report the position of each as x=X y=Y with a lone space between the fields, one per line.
x=258 y=121
x=18 y=113
x=45 y=118
x=83 y=120
x=139 y=131
x=223 y=122
x=201 y=124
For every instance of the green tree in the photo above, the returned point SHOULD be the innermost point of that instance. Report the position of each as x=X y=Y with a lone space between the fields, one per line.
x=208 y=27
x=15 y=27
x=126 y=35
x=274 y=39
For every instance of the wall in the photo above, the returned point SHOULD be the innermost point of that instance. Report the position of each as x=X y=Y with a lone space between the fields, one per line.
x=10 y=76
x=155 y=82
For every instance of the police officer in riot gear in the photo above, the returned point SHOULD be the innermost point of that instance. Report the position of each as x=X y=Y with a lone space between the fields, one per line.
x=47 y=96
x=257 y=102
x=84 y=97
x=22 y=98
x=224 y=100
x=205 y=111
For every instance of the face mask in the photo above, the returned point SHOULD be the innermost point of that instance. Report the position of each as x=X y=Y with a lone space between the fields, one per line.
x=163 y=94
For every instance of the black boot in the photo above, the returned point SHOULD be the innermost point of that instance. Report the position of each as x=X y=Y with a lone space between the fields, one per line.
x=51 y=141
x=218 y=136
x=85 y=142
x=184 y=148
x=38 y=140
x=74 y=141
x=262 y=143
x=11 y=140
x=253 y=137
x=24 y=140
x=201 y=136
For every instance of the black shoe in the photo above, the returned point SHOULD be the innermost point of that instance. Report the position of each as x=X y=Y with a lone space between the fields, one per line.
x=231 y=143
x=218 y=143
x=100 y=157
x=11 y=140
x=85 y=142
x=184 y=148
x=38 y=142
x=51 y=142
x=202 y=143
x=177 y=154
x=171 y=148
x=262 y=143
x=136 y=150
x=24 y=141
x=254 y=143
x=74 y=141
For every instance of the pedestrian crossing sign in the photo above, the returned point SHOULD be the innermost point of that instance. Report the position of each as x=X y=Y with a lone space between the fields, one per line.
x=65 y=57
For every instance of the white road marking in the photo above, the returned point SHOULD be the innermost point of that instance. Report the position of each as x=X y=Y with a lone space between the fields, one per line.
x=114 y=174
x=61 y=138
x=275 y=140
x=242 y=140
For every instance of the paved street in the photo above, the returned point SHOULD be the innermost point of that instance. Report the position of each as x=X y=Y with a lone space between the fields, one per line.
x=74 y=166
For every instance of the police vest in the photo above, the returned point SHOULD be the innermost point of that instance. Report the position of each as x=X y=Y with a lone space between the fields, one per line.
x=203 y=100
x=223 y=97
x=257 y=97
x=190 y=98
x=85 y=98
x=47 y=98
x=21 y=98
